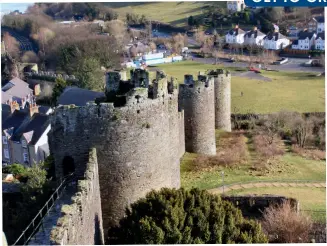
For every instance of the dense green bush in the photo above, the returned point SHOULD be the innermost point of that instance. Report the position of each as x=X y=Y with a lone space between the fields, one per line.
x=15 y=169
x=171 y=216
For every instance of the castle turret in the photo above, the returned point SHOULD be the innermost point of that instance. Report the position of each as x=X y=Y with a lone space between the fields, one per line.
x=197 y=100
x=136 y=141
x=222 y=82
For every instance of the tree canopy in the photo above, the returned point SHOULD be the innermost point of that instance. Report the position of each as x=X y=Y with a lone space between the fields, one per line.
x=171 y=216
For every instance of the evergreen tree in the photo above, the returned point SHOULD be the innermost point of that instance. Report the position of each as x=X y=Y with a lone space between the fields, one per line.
x=190 y=21
x=171 y=216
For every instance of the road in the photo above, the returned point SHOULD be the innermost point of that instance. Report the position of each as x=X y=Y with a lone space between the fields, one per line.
x=24 y=43
x=294 y=64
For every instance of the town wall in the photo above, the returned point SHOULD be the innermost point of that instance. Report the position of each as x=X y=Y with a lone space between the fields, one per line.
x=81 y=221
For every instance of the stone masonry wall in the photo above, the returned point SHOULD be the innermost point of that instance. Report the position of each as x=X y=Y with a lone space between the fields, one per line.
x=81 y=221
x=222 y=99
x=197 y=101
x=137 y=146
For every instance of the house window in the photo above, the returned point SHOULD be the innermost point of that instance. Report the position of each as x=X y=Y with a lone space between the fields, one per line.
x=6 y=153
x=4 y=140
x=24 y=144
x=25 y=156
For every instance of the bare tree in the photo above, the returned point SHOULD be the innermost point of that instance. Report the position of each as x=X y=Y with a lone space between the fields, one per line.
x=284 y=225
x=30 y=57
x=11 y=45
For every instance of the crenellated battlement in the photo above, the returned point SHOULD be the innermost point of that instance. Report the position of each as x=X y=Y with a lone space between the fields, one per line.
x=218 y=72
x=140 y=132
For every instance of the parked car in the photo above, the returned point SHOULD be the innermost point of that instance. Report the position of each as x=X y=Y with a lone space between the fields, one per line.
x=231 y=60
x=312 y=63
x=281 y=61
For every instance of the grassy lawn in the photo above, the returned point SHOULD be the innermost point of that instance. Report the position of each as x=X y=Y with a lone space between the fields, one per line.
x=283 y=168
x=310 y=198
x=174 y=13
x=292 y=168
x=291 y=91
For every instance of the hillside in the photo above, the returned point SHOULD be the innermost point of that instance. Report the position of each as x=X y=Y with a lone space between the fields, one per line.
x=174 y=13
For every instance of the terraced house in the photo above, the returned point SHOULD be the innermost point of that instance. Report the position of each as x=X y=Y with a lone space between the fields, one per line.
x=235 y=36
x=24 y=137
x=305 y=41
x=254 y=37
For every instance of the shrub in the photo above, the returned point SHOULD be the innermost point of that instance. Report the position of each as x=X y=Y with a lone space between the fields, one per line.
x=15 y=169
x=181 y=216
x=266 y=148
x=284 y=225
x=232 y=151
x=314 y=154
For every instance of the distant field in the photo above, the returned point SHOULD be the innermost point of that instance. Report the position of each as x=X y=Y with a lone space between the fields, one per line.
x=292 y=91
x=174 y=13
x=313 y=199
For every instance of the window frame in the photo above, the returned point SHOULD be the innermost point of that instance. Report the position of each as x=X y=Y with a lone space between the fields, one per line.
x=6 y=151
x=4 y=140
x=24 y=143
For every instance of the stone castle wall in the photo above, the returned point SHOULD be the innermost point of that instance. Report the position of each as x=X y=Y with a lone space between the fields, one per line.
x=222 y=81
x=197 y=100
x=137 y=146
x=81 y=221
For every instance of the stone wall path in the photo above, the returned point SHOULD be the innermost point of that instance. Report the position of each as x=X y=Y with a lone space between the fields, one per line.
x=42 y=237
x=227 y=188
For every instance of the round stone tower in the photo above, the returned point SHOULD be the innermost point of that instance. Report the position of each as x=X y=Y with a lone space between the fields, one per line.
x=222 y=81
x=137 y=145
x=197 y=101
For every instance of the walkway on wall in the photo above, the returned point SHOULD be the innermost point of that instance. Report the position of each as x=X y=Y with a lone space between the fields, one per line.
x=42 y=237
x=263 y=184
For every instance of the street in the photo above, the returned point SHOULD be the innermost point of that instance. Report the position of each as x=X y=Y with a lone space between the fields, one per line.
x=294 y=64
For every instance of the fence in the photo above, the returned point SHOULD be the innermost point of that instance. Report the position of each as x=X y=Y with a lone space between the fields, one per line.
x=37 y=222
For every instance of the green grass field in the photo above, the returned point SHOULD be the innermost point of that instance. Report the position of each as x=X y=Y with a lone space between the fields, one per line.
x=174 y=13
x=313 y=199
x=293 y=168
x=287 y=167
x=290 y=91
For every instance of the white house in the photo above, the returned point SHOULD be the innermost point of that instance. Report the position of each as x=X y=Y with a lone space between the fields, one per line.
x=235 y=36
x=320 y=41
x=305 y=40
x=254 y=37
x=317 y=24
x=235 y=6
x=275 y=41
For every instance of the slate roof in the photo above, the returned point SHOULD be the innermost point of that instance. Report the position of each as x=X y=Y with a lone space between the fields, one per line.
x=34 y=129
x=15 y=120
x=10 y=187
x=305 y=34
x=235 y=31
x=274 y=36
x=255 y=32
x=44 y=109
x=5 y=112
x=78 y=96
x=319 y=19
x=321 y=35
x=15 y=88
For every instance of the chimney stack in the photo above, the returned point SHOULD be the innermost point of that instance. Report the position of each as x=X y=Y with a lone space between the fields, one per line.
x=255 y=28
x=33 y=109
x=14 y=106
x=236 y=27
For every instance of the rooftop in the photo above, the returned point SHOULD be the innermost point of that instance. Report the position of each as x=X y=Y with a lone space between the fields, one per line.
x=15 y=88
x=34 y=129
x=78 y=96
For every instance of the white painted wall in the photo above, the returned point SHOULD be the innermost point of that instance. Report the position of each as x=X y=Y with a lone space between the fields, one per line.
x=320 y=44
